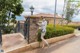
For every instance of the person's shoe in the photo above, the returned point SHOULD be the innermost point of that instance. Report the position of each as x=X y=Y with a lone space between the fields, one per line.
x=48 y=45
x=43 y=46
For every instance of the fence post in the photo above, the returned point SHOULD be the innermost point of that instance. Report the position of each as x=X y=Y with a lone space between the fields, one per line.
x=25 y=29
x=1 y=50
x=18 y=26
x=28 y=29
x=0 y=37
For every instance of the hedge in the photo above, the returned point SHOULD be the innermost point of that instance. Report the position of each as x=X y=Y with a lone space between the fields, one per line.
x=7 y=30
x=73 y=26
x=59 y=31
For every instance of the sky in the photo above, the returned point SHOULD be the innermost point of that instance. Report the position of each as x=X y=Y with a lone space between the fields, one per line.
x=43 y=6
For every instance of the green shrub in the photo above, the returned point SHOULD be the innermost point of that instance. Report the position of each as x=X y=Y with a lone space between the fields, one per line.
x=59 y=31
x=73 y=26
x=7 y=30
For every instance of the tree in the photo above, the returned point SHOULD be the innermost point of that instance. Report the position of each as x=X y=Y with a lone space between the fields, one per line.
x=70 y=10
x=9 y=9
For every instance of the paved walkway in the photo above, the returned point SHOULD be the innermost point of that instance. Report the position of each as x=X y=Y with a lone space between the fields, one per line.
x=12 y=41
x=71 y=45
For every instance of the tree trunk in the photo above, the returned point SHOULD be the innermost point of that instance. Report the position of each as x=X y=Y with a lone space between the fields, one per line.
x=9 y=18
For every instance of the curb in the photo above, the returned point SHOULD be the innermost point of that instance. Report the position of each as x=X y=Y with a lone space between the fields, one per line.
x=37 y=44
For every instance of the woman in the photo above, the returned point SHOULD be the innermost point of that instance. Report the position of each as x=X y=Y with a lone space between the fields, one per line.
x=43 y=32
